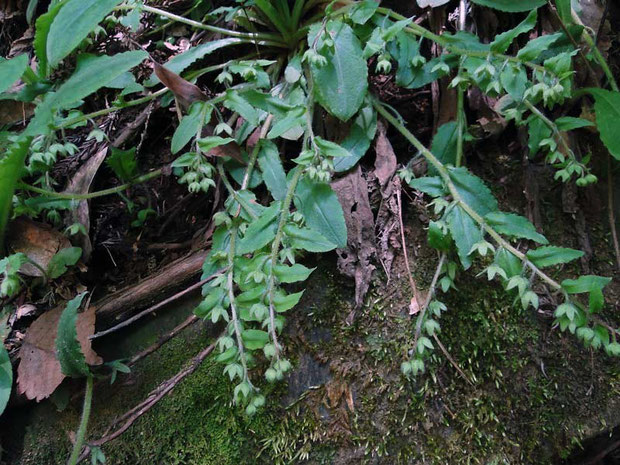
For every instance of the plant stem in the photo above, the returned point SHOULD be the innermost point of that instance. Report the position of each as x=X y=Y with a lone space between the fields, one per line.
x=460 y=118
x=81 y=432
x=233 y=193
x=427 y=301
x=443 y=172
x=92 y=195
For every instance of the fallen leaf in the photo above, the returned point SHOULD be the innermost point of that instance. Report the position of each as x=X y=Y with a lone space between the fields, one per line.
x=385 y=162
x=39 y=374
x=22 y=311
x=185 y=92
x=37 y=241
x=231 y=150
x=80 y=184
x=354 y=260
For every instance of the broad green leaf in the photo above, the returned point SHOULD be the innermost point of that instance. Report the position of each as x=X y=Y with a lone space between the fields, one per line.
x=68 y=349
x=431 y=185
x=283 y=302
x=444 y=145
x=11 y=70
x=282 y=126
x=123 y=163
x=261 y=231
x=515 y=226
x=206 y=144
x=568 y=123
x=322 y=211
x=272 y=170
x=511 y=6
x=508 y=262
x=190 y=126
x=213 y=298
x=75 y=20
x=538 y=131
x=254 y=339
x=514 y=80
x=551 y=255
x=358 y=141
x=536 y=47
x=607 y=109
x=465 y=233
x=502 y=41
x=331 y=149
x=61 y=260
x=293 y=273
x=564 y=10
x=236 y=102
x=340 y=85
x=363 y=11
x=11 y=170
x=42 y=29
x=473 y=191
x=437 y=238
x=585 y=284
x=307 y=239
x=6 y=377
x=182 y=61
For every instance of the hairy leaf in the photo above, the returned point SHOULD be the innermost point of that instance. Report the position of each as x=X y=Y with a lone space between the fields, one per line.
x=319 y=204
x=6 y=377
x=473 y=191
x=68 y=350
x=551 y=255
x=511 y=6
x=75 y=20
x=607 y=109
x=272 y=170
x=340 y=85
x=465 y=232
x=515 y=226
x=11 y=70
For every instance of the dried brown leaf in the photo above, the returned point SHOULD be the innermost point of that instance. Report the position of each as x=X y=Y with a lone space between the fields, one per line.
x=185 y=92
x=39 y=371
x=385 y=163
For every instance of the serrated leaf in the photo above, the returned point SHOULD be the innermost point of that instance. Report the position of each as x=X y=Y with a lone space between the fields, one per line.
x=511 y=6
x=11 y=170
x=502 y=41
x=431 y=185
x=261 y=231
x=63 y=259
x=11 y=70
x=68 y=349
x=254 y=339
x=42 y=29
x=465 y=232
x=272 y=170
x=75 y=20
x=473 y=191
x=607 y=109
x=6 y=377
x=508 y=262
x=585 y=284
x=340 y=85
x=283 y=302
x=552 y=255
x=307 y=239
x=322 y=211
x=515 y=226
x=293 y=273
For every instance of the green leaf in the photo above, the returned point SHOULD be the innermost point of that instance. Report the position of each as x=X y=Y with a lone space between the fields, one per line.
x=514 y=80
x=568 y=123
x=473 y=191
x=11 y=70
x=283 y=302
x=42 y=29
x=260 y=232
x=293 y=273
x=123 y=163
x=564 y=10
x=307 y=239
x=68 y=349
x=254 y=339
x=236 y=102
x=538 y=131
x=536 y=47
x=511 y=6
x=358 y=140
x=331 y=149
x=437 y=238
x=63 y=259
x=75 y=20
x=341 y=85
x=502 y=41
x=465 y=233
x=551 y=255
x=182 y=61
x=322 y=211
x=11 y=170
x=190 y=126
x=607 y=109
x=431 y=185
x=444 y=145
x=585 y=284
x=272 y=170
x=363 y=11
x=515 y=226
x=6 y=377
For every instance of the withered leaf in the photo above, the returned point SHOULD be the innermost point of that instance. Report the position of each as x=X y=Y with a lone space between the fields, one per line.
x=39 y=371
x=385 y=163
x=185 y=92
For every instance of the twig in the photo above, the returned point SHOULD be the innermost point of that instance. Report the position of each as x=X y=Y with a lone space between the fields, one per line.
x=610 y=209
x=157 y=306
x=451 y=360
x=414 y=288
x=427 y=301
x=155 y=396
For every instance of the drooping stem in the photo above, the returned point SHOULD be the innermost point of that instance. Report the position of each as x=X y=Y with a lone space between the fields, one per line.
x=81 y=432
x=610 y=208
x=233 y=193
